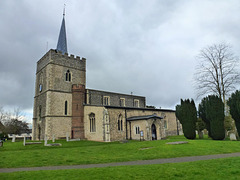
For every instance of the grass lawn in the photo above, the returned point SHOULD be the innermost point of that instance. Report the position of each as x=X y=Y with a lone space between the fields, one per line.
x=88 y=152
x=227 y=168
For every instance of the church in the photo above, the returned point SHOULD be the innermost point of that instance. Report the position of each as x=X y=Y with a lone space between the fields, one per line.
x=63 y=106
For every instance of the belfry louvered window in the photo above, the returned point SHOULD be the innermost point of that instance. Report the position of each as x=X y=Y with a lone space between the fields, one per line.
x=68 y=76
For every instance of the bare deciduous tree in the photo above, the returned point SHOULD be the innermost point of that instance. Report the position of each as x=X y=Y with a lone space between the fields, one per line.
x=13 y=121
x=216 y=72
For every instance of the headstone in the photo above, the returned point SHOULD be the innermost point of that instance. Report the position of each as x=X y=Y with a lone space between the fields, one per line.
x=53 y=138
x=200 y=135
x=67 y=137
x=24 y=140
x=13 y=138
x=233 y=137
x=45 y=140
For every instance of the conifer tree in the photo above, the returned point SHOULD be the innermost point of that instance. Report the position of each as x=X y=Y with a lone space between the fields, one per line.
x=215 y=113
x=234 y=104
x=187 y=115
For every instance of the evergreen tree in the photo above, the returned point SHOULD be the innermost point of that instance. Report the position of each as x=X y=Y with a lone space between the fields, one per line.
x=234 y=104
x=187 y=115
x=215 y=113
x=202 y=114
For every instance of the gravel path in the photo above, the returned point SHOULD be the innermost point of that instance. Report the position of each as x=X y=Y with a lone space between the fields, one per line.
x=128 y=163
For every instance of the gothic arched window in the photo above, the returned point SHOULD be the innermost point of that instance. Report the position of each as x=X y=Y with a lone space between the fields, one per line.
x=92 y=122
x=120 y=123
x=68 y=76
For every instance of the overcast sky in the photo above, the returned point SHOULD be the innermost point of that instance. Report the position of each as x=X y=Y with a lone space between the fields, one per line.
x=145 y=47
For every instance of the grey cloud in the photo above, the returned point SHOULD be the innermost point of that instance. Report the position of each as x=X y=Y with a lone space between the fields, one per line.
x=144 y=47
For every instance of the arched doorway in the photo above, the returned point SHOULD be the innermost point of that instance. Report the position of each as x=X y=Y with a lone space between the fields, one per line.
x=154 y=132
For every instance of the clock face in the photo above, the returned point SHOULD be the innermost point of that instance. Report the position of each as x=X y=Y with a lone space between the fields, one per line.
x=40 y=87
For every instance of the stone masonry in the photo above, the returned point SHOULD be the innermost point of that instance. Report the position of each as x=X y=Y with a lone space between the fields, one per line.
x=52 y=91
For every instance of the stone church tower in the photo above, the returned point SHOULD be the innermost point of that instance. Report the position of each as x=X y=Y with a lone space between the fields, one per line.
x=59 y=93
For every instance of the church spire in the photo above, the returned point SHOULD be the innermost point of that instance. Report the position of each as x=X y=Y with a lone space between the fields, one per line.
x=62 y=39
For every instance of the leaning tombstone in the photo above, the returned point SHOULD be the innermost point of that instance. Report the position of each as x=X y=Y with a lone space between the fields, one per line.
x=233 y=137
x=13 y=138
x=1 y=143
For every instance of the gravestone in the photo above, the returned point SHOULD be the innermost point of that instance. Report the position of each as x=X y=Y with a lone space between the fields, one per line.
x=67 y=137
x=24 y=140
x=13 y=138
x=201 y=135
x=53 y=138
x=233 y=137
x=45 y=140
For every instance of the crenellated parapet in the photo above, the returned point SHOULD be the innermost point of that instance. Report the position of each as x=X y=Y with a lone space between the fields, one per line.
x=78 y=88
x=57 y=58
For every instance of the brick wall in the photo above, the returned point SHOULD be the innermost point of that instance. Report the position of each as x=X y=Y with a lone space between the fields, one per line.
x=78 y=98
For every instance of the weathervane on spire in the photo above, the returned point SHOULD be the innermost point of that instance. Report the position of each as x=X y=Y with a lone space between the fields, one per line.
x=64 y=9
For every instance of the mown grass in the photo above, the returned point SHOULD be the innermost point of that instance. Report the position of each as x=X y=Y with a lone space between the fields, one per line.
x=89 y=152
x=227 y=168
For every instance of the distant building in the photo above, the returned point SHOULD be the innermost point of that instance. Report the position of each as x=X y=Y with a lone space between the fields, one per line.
x=63 y=106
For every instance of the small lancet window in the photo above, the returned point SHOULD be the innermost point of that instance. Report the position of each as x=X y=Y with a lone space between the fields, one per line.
x=66 y=107
x=68 y=76
x=40 y=113
x=40 y=87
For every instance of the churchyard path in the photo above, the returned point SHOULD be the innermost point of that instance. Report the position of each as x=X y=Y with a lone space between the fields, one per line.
x=128 y=163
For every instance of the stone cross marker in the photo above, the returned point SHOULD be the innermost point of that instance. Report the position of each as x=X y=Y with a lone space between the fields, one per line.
x=13 y=138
